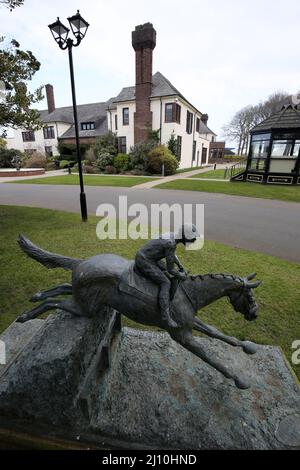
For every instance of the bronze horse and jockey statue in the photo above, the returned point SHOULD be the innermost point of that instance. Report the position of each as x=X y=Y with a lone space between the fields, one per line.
x=153 y=290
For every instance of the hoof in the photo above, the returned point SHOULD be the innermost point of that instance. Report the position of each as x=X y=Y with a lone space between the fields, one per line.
x=249 y=347
x=241 y=383
x=37 y=297
x=22 y=318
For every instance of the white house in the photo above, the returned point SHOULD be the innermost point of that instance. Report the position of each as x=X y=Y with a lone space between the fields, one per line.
x=171 y=113
x=153 y=103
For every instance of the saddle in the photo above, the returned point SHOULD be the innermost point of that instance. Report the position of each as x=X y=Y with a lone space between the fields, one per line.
x=132 y=282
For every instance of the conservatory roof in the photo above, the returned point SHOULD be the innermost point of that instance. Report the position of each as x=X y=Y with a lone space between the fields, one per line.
x=287 y=118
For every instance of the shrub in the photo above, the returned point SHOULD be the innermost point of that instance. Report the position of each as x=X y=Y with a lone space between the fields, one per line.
x=90 y=156
x=121 y=162
x=139 y=154
x=110 y=170
x=172 y=144
x=36 y=160
x=161 y=155
x=66 y=163
x=3 y=143
x=107 y=143
x=89 y=169
x=153 y=136
x=6 y=156
x=103 y=160
x=66 y=157
x=69 y=152
x=16 y=162
x=74 y=165
x=137 y=172
x=234 y=158
x=50 y=166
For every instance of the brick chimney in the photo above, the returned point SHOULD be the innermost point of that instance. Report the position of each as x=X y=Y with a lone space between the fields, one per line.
x=143 y=42
x=204 y=118
x=50 y=98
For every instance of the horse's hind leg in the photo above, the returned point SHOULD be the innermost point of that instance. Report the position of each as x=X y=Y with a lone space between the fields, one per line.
x=61 y=289
x=50 y=304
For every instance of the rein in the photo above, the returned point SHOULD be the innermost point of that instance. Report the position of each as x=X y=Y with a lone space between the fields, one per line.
x=188 y=296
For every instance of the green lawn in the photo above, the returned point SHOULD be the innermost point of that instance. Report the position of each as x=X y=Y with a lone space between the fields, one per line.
x=279 y=295
x=215 y=174
x=282 y=193
x=185 y=170
x=90 y=180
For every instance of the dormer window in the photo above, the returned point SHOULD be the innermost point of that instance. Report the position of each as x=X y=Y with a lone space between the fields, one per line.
x=87 y=126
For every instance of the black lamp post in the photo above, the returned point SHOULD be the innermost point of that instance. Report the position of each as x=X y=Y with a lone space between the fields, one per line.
x=60 y=33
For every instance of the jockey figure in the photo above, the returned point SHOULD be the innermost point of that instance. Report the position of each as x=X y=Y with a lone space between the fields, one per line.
x=148 y=262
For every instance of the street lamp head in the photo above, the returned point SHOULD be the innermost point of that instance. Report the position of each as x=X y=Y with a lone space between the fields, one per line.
x=78 y=25
x=59 y=32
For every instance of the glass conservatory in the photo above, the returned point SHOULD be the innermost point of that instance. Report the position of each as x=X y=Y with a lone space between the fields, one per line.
x=274 y=154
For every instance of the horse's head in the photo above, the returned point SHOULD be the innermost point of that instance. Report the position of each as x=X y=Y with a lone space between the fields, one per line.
x=243 y=300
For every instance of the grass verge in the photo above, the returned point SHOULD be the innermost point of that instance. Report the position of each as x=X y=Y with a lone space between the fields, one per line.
x=185 y=170
x=91 y=180
x=215 y=174
x=281 y=193
x=62 y=232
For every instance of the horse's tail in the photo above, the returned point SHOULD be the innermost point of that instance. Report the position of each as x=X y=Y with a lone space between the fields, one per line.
x=50 y=260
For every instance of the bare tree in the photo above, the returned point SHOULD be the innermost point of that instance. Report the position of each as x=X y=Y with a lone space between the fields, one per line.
x=11 y=4
x=272 y=104
x=238 y=129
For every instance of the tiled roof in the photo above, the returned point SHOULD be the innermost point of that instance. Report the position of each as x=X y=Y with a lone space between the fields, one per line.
x=161 y=87
x=126 y=94
x=93 y=112
x=97 y=112
x=204 y=129
x=287 y=118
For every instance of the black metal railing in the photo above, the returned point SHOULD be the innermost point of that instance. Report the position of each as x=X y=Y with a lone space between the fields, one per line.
x=235 y=169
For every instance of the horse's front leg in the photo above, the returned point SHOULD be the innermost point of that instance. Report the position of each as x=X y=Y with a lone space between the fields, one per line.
x=248 y=346
x=187 y=340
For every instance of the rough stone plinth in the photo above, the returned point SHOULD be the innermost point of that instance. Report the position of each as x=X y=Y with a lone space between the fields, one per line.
x=43 y=383
x=150 y=390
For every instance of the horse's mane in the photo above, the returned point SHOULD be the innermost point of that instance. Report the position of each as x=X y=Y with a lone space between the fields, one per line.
x=203 y=277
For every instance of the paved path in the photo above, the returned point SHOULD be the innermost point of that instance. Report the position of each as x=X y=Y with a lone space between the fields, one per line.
x=9 y=179
x=263 y=225
x=178 y=176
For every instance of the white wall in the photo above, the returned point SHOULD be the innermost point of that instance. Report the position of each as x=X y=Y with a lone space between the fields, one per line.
x=16 y=142
x=123 y=131
x=158 y=109
x=167 y=128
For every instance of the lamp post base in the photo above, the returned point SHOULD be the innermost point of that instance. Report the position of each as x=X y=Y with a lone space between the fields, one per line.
x=84 y=214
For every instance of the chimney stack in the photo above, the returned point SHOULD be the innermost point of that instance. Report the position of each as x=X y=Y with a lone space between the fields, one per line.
x=143 y=42
x=50 y=98
x=204 y=118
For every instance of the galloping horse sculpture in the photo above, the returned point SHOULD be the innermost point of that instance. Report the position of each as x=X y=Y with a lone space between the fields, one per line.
x=108 y=279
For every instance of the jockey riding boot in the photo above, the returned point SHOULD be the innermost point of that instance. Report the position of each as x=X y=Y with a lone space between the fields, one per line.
x=164 y=304
x=167 y=319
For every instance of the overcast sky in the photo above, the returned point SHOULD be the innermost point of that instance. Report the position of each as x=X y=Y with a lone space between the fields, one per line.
x=221 y=54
